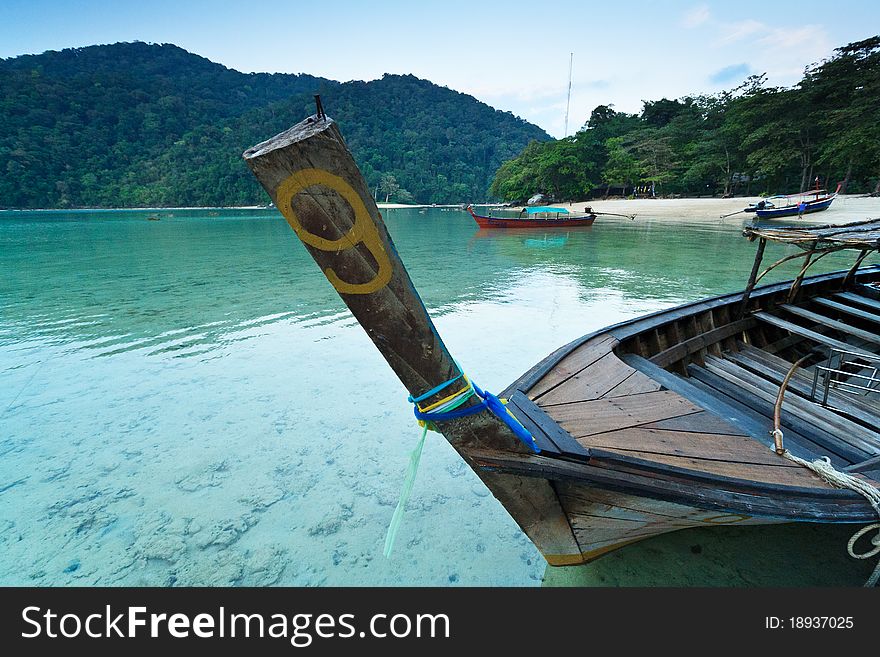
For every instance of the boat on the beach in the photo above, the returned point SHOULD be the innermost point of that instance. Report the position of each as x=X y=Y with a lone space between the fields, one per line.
x=768 y=202
x=536 y=217
x=751 y=408
x=814 y=200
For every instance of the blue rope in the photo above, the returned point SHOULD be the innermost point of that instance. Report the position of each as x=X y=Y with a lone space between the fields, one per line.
x=433 y=391
x=489 y=402
x=454 y=403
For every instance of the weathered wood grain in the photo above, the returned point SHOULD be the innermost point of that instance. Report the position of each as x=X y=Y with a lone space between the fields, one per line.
x=791 y=422
x=313 y=180
x=725 y=495
x=616 y=519
x=696 y=344
x=773 y=369
x=733 y=449
x=801 y=439
x=832 y=323
x=562 y=440
x=590 y=383
x=807 y=333
x=859 y=300
x=602 y=415
x=872 y=463
x=702 y=422
x=823 y=418
x=582 y=357
x=582 y=499
x=748 y=420
x=781 y=475
x=849 y=310
x=634 y=384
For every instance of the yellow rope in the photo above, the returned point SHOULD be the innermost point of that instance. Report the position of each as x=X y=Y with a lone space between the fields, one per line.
x=447 y=399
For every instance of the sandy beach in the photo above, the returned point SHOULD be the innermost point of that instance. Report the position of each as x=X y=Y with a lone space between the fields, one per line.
x=844 y=209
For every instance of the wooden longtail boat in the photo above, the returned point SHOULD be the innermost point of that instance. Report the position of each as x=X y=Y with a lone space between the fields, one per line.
x=646 y=427
x=769 y=201
x=536 y=217
x=814 y=200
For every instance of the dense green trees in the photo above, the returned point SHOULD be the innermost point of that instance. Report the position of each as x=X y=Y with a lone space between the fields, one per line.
x=751 y=139
x=148 y=125
x=136 y=124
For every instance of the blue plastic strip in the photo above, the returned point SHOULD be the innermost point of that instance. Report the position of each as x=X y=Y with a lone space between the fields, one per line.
x=450 y=415
x=500 y=410
x=490 y=402
x=434 y=390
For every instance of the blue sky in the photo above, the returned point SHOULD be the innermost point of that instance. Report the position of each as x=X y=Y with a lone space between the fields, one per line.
x=513 y=55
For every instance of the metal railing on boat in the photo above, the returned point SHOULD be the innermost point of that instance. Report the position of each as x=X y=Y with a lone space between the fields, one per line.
x=835 y=375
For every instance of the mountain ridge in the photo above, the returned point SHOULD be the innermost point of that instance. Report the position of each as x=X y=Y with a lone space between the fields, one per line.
x=138 y=124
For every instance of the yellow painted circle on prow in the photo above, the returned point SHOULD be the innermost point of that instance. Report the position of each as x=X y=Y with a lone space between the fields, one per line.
x=363 y=229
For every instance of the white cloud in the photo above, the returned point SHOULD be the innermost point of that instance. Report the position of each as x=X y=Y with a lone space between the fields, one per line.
x=741 y=30
x=794 y=37
x=781 y=52
x=696 y=16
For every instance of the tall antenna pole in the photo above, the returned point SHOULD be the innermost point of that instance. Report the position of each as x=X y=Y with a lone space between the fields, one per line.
x=568 y=101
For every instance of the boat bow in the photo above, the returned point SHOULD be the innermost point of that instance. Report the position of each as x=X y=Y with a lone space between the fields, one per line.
x=314 y=182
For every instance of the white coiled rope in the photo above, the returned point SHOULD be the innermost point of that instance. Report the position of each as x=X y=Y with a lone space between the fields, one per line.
x=835 y=477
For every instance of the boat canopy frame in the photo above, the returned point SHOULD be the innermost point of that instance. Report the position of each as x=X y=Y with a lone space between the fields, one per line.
x=816 y=242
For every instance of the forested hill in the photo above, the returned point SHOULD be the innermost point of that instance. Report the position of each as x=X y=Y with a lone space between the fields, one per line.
x=135 y=124
x=749 y=140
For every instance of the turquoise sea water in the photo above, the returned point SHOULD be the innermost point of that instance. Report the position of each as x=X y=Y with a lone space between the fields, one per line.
x=187 y=401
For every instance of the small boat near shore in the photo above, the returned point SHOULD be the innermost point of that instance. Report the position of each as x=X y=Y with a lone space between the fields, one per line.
x=752 y=408
x=768 y=202
x=776 y=207
x=536 y=217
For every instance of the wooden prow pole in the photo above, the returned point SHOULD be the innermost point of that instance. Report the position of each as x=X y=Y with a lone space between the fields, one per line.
x=314 y=182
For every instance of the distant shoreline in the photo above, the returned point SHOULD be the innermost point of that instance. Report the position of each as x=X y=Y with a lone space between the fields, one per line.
x=381 y=206
x=846 y=208
x=146 y=209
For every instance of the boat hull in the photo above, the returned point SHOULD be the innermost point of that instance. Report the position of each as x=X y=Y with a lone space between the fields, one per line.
x=625 y=433
x=634 y=450
x=792 y=210
x=500 y=222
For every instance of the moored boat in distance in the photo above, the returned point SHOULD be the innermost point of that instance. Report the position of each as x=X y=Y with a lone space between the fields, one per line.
x=763 y=203
x=536 y=217
x=717 y=412
x=814 y=200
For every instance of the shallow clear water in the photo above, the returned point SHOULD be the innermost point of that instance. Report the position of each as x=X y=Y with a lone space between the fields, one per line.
x=187 y=401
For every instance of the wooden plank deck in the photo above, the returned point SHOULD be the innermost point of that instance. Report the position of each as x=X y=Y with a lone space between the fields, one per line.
x=702 y=422
x=791 y=421
x=868 y=336
x=849 y=310
x=845 y=430
x=699 y=446
x=603 y=415
x=859 y=300
x=691 y=397
x=663 y=427
x=809 y=334
x=774 y=369
x=770 y=474
x=575 y=362
x=590 y=383
x=734 y=412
